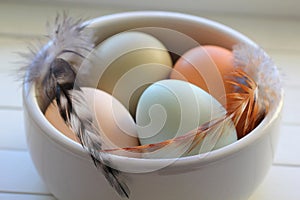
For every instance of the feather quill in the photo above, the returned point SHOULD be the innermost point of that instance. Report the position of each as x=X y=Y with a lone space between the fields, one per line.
x=53 y=70
x=192 y=139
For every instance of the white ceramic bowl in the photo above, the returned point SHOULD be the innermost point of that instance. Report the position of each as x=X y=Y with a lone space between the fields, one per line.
x=230 y=173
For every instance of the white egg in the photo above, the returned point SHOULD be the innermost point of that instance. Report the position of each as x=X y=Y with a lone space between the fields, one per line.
x=171 y=108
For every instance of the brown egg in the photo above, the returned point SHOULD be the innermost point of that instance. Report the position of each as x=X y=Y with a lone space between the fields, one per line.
x=116 y=125
x=207 y=67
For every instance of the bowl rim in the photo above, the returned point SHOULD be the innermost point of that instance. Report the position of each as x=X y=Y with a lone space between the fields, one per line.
x=133 y=164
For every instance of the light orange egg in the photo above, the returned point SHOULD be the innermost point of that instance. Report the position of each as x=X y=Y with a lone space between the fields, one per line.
x=207 y=67
x=117 y=128
x=53 y=116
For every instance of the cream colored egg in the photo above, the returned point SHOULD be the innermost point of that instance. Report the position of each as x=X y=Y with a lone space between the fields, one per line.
x=172 y=108
x=117 y=128
x=126 y=63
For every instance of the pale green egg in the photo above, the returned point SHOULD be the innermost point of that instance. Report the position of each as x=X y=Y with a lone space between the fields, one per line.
x=171 y=108
x=125 y=64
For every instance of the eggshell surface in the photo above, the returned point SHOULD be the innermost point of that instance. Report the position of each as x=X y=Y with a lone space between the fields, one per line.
x=171 y=108
x=117 y=128
x=207 y=67
x=126 y=63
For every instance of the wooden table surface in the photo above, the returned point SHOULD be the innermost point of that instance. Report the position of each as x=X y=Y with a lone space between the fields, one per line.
x=21 y=24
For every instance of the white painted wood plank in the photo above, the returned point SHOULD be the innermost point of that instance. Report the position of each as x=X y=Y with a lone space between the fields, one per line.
x=274 y=33
x=11 y=196
x=22 y=23
x=281 y=183
x=10 y=47
x=265 y=8
x=12 y=131
x=17 y=174
x=291 y=109
x=11 y=91
x=288 y=151
x=269 y=33
x=288 y=63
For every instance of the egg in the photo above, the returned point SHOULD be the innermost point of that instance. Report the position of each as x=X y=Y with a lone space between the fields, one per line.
x=117 y=127
x=207 y=67
x=171 y=108
x=125 y=64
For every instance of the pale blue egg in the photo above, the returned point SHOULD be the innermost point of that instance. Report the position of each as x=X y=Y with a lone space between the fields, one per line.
x=171 y=108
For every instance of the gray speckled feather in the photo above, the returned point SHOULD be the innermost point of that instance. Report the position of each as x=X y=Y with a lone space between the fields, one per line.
x=55 y=75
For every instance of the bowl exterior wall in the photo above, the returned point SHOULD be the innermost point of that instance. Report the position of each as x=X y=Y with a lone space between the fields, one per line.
x=71 y=177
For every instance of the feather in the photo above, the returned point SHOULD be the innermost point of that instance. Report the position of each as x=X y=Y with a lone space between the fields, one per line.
x=53 y=70
x=257 y=87
x=255 y=62
x=68 y=36
x=245 y=105
x=183 y=145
